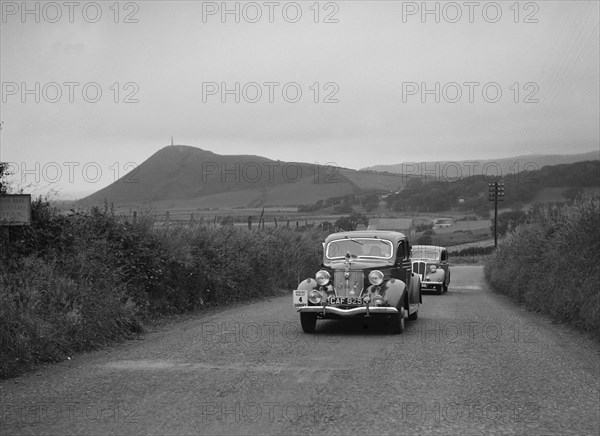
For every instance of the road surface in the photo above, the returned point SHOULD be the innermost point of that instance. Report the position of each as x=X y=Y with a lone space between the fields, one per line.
x=473 y=363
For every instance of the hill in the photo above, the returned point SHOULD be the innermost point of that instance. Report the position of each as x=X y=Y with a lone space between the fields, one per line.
x=441 y=170
x=557 y=183
x=184 y=176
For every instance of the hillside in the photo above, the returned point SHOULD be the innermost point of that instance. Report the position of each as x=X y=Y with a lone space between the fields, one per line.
x=185 y=175
x=551 y=183
x=450 y=170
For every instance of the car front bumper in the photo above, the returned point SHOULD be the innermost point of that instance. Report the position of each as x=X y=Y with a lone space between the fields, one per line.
x=430 y=285
x=348 y=313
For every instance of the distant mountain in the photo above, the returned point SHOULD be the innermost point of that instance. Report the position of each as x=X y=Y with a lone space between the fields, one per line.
x=552 y=183
x=453 y=169
x=184 y=176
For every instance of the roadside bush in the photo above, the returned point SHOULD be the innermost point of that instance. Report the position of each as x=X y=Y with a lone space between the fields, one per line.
x=79 y=281
x=552 y=264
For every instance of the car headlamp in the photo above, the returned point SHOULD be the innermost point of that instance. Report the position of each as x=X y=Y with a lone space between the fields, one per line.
x=432 y=268
x=322 y=277
x=315 y=297
x=377 y=299
x=376 y=277
x=367 y=299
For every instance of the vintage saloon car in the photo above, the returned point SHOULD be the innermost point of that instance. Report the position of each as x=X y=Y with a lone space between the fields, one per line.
x=430 y=262
x=364 y=274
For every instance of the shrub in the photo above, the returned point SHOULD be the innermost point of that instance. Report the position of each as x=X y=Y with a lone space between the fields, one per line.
x=553 y=263
x=79 y=281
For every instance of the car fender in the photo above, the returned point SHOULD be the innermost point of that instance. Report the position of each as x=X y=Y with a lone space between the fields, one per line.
x=438 y=276
x=393 y=291
x=308 y=285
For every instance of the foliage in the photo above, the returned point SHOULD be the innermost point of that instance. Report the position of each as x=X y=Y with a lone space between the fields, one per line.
x=552 y=264
x=349 y=223
x=370 y=202
x=424 y=226
x=509 y=220
x=470 y=194
x=73 y=282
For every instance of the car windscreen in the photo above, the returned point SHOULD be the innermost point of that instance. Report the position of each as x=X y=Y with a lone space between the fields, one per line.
x=373 y=248
x=425 y=254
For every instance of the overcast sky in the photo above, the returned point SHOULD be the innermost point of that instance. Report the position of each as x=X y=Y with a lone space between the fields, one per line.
x=504 y=88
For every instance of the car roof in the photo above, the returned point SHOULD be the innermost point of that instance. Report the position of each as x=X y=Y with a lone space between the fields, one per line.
x=428 y=247
x=382 y=234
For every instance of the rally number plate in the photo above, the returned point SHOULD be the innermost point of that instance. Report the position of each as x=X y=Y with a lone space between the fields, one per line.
x=300 y=298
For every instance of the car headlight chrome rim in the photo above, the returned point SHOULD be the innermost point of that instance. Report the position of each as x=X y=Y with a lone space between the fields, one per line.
x=315 y=297
x=377 y=299
x=432 y=268
x=322 y=277
x=376 y=277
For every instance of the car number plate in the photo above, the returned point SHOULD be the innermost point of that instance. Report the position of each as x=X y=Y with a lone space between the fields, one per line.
x=345 y=300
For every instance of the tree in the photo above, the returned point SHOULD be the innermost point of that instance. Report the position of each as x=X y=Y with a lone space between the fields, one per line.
x=371 y=202
x=509 y=220
x=4 y=173
x=349 y=223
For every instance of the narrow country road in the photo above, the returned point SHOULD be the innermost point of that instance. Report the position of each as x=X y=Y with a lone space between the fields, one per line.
x=473 y=363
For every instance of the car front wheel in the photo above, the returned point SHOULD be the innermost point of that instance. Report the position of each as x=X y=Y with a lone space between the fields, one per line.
x=397 y=322
x=308 y=321
x=414 y=315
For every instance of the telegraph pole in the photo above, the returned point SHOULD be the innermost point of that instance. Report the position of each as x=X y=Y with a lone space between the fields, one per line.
x=496 y=194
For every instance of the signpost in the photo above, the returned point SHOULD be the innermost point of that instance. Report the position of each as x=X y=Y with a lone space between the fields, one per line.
x=496 y=194
x=15 y=210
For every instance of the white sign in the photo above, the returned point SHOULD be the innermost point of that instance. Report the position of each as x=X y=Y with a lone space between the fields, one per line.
x=15 y=210
x=300 y=298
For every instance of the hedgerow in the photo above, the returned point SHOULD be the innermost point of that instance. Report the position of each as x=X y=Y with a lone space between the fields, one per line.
x=78 y=281
x=552 y=264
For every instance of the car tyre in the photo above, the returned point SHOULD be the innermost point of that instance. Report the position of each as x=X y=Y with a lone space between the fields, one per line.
x=445 y=288
x=414 y=315
x=440 y=289
x=397 y=322
x=308 y=321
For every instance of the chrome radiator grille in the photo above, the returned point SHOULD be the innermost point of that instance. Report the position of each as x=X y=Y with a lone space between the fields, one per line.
x=419 y=268
x=344 y=287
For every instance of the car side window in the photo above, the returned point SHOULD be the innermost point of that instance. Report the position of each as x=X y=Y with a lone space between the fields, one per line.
x=403 y=250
